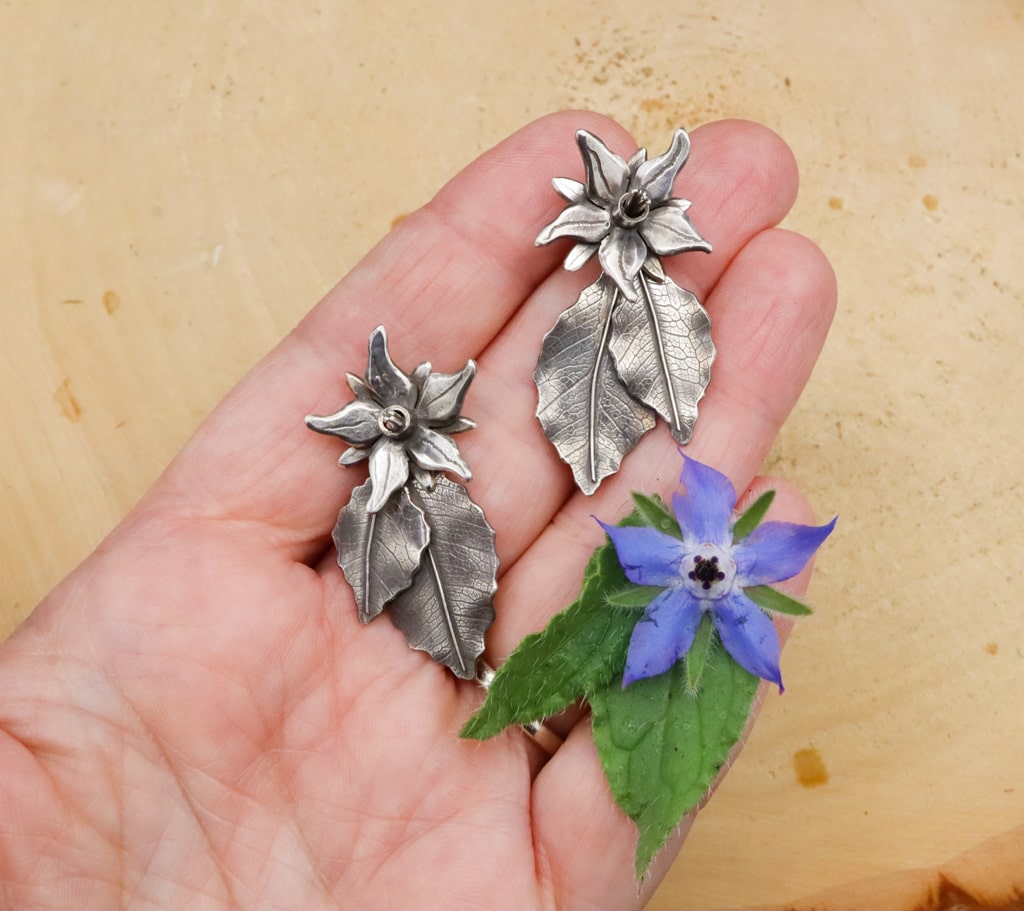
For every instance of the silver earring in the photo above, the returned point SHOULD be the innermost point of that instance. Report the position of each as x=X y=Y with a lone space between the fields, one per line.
x=410 y=539
x=635 y=344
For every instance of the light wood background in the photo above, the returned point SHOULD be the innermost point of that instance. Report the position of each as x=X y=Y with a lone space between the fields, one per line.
x=179 y=183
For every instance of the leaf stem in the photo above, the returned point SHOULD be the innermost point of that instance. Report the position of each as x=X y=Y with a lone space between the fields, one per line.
x=364 y=608
x=435 y=575
x=594 y=383
x=659 y=345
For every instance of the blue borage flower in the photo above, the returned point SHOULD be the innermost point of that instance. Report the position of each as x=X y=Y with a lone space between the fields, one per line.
x=706 y=573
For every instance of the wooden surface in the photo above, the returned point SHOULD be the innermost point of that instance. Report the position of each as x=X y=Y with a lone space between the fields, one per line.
x=179 y=183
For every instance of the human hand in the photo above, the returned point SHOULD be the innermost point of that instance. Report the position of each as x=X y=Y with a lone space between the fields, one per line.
x=195 y=715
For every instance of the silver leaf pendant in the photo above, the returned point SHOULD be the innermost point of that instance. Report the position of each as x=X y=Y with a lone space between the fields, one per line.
x=586 y=410
x=379 y=552
x=448 y=607
x=635 y=343
x=663 y=352
x=410 y=539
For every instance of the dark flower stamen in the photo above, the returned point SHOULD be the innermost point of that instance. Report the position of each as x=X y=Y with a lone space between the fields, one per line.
x=706 y=571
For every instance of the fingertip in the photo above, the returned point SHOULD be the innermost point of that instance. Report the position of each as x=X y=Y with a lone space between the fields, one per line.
x=812 y=277
x=789 y=505
x=768 y=158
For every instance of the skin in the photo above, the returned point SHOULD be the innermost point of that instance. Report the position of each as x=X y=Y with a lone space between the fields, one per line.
x=196 y=717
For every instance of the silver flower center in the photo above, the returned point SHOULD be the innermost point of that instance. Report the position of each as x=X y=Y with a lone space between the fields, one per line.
x=395 y=421
x=631 y=209
x=709 y=573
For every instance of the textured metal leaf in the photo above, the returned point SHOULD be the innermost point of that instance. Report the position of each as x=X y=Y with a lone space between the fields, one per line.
x=448 y=608
x=379 y=552
x=586 y=411
x=663 y=351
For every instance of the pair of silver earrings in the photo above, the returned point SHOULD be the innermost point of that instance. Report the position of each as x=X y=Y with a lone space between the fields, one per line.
x=634 y=345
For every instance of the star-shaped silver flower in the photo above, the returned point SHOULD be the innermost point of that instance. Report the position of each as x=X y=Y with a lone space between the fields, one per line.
x=401 y=423
x=625 y=211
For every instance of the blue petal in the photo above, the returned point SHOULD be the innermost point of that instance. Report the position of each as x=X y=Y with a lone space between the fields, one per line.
x=777 y=550
x=663 y=636
x=749 y=636
x=647 y=556
x=705 y=510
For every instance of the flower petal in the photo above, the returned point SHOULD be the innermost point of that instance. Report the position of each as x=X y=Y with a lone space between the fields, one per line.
x=389 y=384
x=353 y=456
x=389 y=470
x=570 y=190
x=668 y=230
x=646 y=555
x=654 y=269
x=421 y=476
x=358 y=385
x=749 y=636
x=457 y=426
x=442 y=394
x=775 y=551
x=704 y=511
x=579 y=256
x=659 y=174
x=584 y=220
x=622 y=254
x=356 y=423
x=420 y=373
x=436 y=452
x=607 y=173
x=636 y=159
x=663 y=635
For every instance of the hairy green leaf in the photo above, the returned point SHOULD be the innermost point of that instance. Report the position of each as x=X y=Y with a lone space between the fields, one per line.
x=750 y=519
x=581 y=649
x=775 y=601
x=662 y=747
x=633 y=596
x=697 y=657
x=651 y=511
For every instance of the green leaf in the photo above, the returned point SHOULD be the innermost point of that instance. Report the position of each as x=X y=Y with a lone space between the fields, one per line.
x=580 y=650
x=651 y=511
x=750 y=519
x=697 y=656
x=775 y=601
x=633 y=596
x=662 y=748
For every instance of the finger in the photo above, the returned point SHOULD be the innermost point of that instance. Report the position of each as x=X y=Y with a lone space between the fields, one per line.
x=443 y=282
x=771 y=310
x=584 y=837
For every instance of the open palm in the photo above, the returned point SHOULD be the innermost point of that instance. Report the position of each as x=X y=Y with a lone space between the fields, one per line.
x=196 y=716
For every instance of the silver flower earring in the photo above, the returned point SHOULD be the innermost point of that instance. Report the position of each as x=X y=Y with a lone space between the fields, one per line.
x=635 y=344
x=410 y=539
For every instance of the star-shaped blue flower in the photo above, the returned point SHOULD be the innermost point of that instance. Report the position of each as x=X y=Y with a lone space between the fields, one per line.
x=706 y=573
